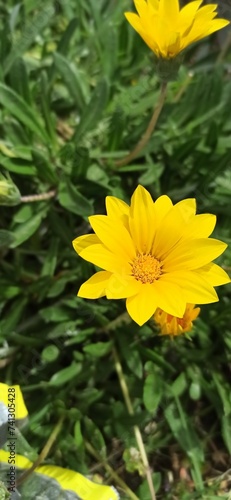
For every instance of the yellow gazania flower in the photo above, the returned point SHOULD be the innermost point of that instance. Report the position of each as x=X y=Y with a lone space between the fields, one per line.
x=154 y=255
x=171 y=325
x=168 y=30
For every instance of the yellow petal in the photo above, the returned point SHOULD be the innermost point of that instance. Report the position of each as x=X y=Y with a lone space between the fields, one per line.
x=121 y=287
x=114 y=236
x=169 y=10
x=200 y=226
x=202 y=30
x=143 y=305
x=172 y=225
x=163 y=205
x=154 y=4
x=142 y=220
x=100 y=256
x=84 y=241
x=143 y=30
x=94 y=288
x=193 y=254
x=214 y=274
x=116 y=207
x=187 y=16
x=194 y=289
x=170 y=298
x=141 y=7
x=186 y=208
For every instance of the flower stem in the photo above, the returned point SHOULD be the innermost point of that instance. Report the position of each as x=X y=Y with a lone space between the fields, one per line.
x=38 y=197
x=112 y=473
x=42 y=456
x=147 y=134
x=138 y=435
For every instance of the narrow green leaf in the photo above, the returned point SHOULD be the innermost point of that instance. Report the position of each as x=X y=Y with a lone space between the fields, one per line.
x=21 y=110
x=93 y=111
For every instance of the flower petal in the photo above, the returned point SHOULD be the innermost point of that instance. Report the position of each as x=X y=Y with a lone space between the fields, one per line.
x=114 y=236
x=162 y=206
x=102 y=257
x=143 y=305
x=170 y=298
x=94 y=288
x=200 y=226
x=169 y=10
x=195 y=290
x=142 y=220
x=84 y=241
x=121 y=287
x=193 y=255
x=116 y=207
x=214 y=274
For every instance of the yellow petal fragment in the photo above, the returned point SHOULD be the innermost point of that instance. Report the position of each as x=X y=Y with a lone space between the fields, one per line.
x=100 y=256
x=114 y=236
x=163 y=205
x=186 y=208
x=143 y=305
x=84 y=241
x=194 y=289
x=194 y=255
x=116 y=207
x=94 y=288
x=121 y=287
x=154 y=4
x=200 y=226
x=201 y=30
x=170 y=297
x=172 y=226
x=142 y=220
x=141 y=7
x=187 y=15
x=169 y=10
x=214 y=274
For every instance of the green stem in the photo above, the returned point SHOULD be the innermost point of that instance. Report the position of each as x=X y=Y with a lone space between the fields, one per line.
x=138 y=435
x=148 y=132
x=113 y=474
x=42 y=456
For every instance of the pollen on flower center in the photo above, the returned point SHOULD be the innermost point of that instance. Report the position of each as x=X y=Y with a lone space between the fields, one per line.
x=146 y=268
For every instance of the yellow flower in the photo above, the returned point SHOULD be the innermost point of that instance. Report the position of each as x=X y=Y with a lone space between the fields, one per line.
x=171 y=325
x=154 y=255
x=168 y=30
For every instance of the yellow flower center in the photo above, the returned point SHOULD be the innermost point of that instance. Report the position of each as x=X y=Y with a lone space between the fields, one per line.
x=146 y=268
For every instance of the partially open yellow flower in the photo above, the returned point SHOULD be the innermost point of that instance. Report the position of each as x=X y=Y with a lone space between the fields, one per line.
x=168 y=30
x=171 y=325
x=154 y=255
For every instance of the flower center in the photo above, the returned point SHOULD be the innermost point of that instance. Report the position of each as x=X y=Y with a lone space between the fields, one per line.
x=146 y=268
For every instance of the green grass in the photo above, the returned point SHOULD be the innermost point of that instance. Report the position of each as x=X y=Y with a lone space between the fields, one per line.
x=77 y=87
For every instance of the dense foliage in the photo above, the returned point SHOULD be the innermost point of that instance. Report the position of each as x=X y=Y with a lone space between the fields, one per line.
x=77 y=87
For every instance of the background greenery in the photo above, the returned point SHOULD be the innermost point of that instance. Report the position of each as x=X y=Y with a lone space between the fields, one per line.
x=77 y=86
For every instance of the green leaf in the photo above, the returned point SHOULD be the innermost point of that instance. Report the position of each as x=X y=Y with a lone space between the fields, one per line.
x=71 y=199
x=152 y=392
x=65 y=375
x=72 y=79
x=6 y=238
x=98 y=349
x=93 y=111
x=31 y=30
x=22 y=111
x=25 y=230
